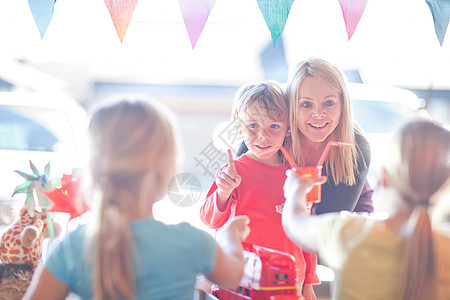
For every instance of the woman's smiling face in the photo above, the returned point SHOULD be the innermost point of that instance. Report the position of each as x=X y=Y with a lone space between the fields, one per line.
x=319 y=109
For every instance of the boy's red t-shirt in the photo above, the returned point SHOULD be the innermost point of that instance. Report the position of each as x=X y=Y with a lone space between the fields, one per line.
x=258 y=194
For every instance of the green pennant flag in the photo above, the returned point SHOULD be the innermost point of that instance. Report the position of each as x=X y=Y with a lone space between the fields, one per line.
x=275 y=13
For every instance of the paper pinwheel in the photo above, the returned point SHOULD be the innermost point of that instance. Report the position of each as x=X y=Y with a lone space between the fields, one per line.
x=65 y=198
x=34 y=186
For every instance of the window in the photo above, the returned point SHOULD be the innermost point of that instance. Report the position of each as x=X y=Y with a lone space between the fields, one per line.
x=379 y=116
x=35 y=129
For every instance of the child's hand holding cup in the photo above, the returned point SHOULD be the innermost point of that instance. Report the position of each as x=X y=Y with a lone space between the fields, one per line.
x=301 y=186
x=313 y=172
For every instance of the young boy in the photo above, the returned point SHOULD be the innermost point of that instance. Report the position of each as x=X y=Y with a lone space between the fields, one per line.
x=252 y=185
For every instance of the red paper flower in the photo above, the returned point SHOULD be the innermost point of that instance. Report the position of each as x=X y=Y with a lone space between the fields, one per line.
x=65 y=198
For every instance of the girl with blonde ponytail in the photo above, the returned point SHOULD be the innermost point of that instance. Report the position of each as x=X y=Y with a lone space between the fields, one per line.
x=124 y=253
x=402 y=257
x=418 y=168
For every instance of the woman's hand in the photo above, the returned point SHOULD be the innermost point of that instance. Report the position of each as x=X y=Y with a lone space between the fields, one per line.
x=279 y=208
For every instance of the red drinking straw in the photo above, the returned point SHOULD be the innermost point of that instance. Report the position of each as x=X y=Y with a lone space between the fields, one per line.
x=327 y=148
x=288 y=157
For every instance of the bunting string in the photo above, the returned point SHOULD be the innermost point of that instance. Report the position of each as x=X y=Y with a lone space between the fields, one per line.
x=196 y=12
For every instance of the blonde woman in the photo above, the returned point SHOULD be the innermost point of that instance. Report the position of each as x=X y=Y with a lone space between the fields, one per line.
x=399 y=258
x=320 y=111
x=125 y=253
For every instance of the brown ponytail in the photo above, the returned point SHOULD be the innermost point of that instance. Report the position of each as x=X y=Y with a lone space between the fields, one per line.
x=418 y=271
x=417 y=169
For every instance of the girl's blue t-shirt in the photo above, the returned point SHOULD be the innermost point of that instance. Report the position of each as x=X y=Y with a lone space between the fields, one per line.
x=166 y=264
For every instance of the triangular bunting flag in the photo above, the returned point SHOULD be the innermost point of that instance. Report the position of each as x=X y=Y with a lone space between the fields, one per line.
x=195 y=14
x=42 y=11
x=275 y=13
x=440 y=9
x=121 y=12
x=352 y=11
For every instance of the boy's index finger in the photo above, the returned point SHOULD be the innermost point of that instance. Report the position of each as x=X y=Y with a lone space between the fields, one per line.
x=231 y=165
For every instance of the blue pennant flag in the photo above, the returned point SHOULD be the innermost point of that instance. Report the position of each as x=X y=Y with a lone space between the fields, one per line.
x=42 y=11
x=440 y=9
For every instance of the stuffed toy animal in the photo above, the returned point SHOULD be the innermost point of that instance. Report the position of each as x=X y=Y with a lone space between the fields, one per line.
x=21 y=243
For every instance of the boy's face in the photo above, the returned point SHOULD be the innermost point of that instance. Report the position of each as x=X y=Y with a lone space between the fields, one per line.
x=263 y=135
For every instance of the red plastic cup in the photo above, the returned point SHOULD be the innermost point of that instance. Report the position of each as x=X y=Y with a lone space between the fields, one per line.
x=311 y=172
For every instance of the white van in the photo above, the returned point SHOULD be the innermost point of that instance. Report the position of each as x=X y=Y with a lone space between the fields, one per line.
x=40 y=128
x=380 y=110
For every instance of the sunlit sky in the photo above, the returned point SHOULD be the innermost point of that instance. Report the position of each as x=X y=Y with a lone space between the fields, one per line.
x=394 y=43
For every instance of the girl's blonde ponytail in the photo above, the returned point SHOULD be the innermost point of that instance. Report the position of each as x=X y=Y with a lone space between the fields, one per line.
x=417 y=169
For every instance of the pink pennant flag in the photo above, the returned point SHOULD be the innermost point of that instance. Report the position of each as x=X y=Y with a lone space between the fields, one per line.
x=352 y=11
x=195 y=14
x=121 y=12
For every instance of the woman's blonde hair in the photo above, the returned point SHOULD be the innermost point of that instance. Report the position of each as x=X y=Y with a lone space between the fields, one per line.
x=341 y=162
x=267 y=94
x=417 y=168
x=133 y=157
